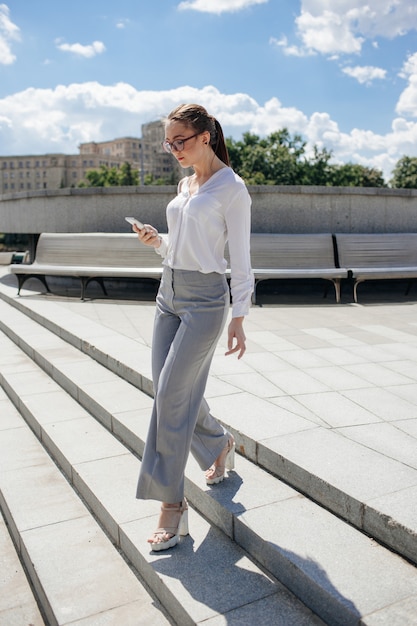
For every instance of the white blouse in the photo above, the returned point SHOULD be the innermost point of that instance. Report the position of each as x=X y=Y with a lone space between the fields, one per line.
x=199 y=226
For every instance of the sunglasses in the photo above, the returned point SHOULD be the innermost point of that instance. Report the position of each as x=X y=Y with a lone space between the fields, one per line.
x=176 y=145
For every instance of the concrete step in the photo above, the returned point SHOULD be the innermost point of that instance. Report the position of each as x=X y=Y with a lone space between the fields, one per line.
x=330 y=469
x=17 y=602
x=53 y=523
x=78 y=576
x=340 y=573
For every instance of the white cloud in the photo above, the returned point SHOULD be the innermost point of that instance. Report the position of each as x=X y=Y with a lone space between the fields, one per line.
x=122 y=23
x=39 y=121
x=295 y=51
x=365 y=74
x=97 y=47
x=218 y=6
x=327 y=33
x=410 y=67
x=334 y=28
x=9 y=32
x=407 y=102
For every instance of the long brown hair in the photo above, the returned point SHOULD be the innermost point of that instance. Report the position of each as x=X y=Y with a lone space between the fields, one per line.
x=196 y=116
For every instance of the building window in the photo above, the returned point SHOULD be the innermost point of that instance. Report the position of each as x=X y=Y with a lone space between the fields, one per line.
x=28 y=185
x=28 y=164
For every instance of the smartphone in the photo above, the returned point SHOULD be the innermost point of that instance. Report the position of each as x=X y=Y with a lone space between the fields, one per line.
x=133 y=220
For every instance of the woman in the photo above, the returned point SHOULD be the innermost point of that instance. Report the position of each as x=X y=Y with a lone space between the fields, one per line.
x=212 y=207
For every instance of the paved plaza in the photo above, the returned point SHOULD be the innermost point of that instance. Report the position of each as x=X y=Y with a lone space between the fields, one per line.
x=325 y=399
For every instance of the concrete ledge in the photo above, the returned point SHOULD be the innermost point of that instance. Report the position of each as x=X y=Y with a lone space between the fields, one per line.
x=285 y=209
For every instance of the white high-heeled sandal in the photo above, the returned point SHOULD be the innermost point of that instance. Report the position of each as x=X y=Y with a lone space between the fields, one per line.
x=176 y=532
x=220 y=470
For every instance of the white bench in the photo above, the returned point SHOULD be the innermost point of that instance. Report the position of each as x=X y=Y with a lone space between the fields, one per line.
x=90 y=257
x=378 y=256
x=97 y=256
x=289 y=256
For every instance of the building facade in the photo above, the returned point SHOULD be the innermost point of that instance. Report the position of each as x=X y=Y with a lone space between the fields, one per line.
x=56 y=171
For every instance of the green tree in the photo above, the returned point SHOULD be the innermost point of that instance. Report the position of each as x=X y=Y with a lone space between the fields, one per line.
x=355 y=175
x=111 y=176
x=405 y=173
x=270 y=161
x=316 y=170
x=280 y=159
x=128 y=176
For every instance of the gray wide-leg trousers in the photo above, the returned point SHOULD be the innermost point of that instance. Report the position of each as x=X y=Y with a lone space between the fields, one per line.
x=191 y=311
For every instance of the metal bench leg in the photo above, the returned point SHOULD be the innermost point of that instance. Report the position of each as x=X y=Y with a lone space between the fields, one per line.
x=85 y=281
x=355 y=290
x=337 y=288
x=22 y=278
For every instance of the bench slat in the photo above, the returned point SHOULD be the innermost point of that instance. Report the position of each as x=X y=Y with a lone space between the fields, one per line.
x=94 y=249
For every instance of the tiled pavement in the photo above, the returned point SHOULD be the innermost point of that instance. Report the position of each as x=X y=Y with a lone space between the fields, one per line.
x=326 y=391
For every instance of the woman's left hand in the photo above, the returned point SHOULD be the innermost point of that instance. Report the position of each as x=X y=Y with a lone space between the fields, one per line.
x=236 y=334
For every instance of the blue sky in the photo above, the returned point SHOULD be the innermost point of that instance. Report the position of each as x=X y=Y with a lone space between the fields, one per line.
x=342 y=74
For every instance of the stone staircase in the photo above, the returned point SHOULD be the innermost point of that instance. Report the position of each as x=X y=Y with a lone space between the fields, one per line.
x=74 y=407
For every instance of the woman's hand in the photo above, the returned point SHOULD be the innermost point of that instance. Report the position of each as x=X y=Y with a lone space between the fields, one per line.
x=235 y=333
x=148 y=235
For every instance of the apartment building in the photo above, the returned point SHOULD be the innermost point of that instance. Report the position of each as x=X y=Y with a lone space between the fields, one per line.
x=55 y=171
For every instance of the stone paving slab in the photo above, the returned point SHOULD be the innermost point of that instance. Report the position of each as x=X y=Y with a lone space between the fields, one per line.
x=212 y=577
x=354 y=576
x=17 y=603
x=75 y=570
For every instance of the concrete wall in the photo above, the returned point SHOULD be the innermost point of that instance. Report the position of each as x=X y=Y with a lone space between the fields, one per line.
x=274 y=209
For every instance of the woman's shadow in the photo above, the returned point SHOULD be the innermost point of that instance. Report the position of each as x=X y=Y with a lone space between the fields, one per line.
x=218 y=574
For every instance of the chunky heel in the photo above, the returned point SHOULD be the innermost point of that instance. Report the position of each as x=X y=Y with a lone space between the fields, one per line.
x=175 y=532
x=216 y=473
x=183 y=527
x=230 y=458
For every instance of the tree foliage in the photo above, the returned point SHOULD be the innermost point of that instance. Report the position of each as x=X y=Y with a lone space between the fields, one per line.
x=280 y=159
x=106 y=176
x=404 y=175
